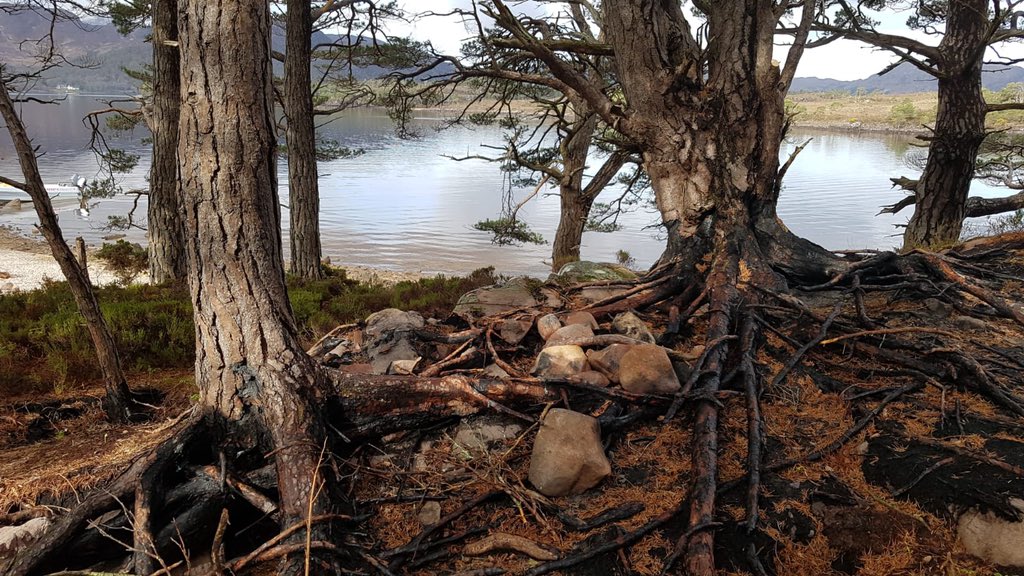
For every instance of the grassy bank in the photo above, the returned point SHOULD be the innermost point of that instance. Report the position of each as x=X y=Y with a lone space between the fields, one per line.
x=44 y=346
x=877 y=111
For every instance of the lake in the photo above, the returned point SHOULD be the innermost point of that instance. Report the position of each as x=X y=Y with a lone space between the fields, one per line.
x=403 y=205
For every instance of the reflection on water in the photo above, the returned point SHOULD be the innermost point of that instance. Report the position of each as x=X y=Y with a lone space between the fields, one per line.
x=401 y=205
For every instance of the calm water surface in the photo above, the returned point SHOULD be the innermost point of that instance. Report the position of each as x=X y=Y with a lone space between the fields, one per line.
x=402 y=205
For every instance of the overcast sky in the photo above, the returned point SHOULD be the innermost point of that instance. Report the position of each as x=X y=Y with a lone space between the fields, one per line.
x=843 y=60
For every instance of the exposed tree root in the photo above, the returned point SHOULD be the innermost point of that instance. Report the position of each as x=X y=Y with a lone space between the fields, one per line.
x=762 y=342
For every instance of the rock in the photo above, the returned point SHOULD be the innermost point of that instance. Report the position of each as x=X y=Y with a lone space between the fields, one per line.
x=495 y=371
x=592 y=294
x=629 y=324
x=591 y=378
x=388 y=337
x=113 y=237
x=548 y=325
x=480 y=433
x=14 y=538
x=938 y=307
x=8 y=288
x=970 y=323
x=430 y=513
x=11 y=206
x=517 y=293
x=514 y=330
x=560 y=362
x=646 y=369
x=404 y=367
x=862 y=449
x=390 y=320
x=583 y=271
x=585 y=318
x=568 y=457
x=567 y=334
x=607 y=360
x=993 y=539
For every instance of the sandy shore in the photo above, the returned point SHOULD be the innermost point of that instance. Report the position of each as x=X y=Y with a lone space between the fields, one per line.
x=26 y=263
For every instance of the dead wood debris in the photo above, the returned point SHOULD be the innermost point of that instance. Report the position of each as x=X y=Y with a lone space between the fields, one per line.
x=796 y=399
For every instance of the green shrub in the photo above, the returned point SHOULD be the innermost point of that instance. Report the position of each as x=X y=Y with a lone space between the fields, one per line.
x=125 y=259
x=44 y=344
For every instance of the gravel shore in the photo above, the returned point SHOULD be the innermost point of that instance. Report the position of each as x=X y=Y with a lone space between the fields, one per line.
x=26 y=263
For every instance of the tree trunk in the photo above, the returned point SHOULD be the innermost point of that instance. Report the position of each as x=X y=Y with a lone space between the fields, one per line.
x=575 y=205
x=941 y=192
x=303 y=189
x=571 y=222
x=711 y=149
x=256 y=382
x=166 y=238
x=118 y=400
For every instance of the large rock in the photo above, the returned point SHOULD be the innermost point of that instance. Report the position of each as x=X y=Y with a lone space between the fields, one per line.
x=629 y=324
x=380 y=324
x=591 y=378
x=993 y=539
x=584 y=271
x=568 y=456
x=388 y=337
x=548 y=325
x=607 y=360
x=514 y=330
x=513 y=295
x=581 y=317
x=646 y=369
x=560 y=362
x=566 y=335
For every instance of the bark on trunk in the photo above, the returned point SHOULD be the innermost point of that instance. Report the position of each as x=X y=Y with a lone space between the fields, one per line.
x=117 y=402
x=941 y=192
x=256 y=382
x=303 y=188
x=571 y=223
x=166 y=238
x=711 y=148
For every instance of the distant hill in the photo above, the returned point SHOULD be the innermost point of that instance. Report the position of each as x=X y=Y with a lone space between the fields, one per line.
x=905 y=79
x=99 y=52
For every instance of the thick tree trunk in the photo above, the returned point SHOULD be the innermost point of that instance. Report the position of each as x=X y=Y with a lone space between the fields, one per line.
x=118 y=400
x=303 y=189
x=941 y=192
x=711 y=149
x=166 y=238
x=571 y=223
x=256 y=382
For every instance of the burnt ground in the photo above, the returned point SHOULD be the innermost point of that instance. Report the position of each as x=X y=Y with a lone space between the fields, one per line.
x=884 y=499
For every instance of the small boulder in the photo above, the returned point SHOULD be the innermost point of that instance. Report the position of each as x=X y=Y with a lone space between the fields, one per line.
x=646 y=369
x=560 y=362
x=607 y=360
x=495 y=299
x=591 y=378
x=583 y=271
x=568 y=457
x=993 y=539
x=567 y=334
x=629 y=324
x=970 y=323
x=591 y=294
x=430 y=513
x=390 y=320
x=585 y=318
x=514 y=330
x=548 y=325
